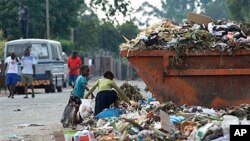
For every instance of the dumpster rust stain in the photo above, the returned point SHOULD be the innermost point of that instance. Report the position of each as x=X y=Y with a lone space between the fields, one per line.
x=218 y=101
x=181 y=89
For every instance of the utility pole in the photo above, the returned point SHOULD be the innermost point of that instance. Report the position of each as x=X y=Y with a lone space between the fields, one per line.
x=47 y=19
x=72 y=37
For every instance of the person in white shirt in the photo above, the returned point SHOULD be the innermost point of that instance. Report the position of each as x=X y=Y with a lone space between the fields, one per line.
x=28 y=71
x=11 y=63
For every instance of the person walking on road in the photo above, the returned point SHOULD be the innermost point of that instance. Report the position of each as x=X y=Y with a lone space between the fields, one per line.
x=28 y=71
x=11 y=65
x=74 y=62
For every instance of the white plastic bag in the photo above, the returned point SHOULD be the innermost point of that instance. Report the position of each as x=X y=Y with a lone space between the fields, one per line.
x=89 y=103
x=227 y=121
x=86 y=108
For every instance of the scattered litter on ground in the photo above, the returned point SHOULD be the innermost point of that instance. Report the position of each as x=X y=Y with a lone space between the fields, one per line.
x=17 y=110
x=148 y=119
x=27 y=125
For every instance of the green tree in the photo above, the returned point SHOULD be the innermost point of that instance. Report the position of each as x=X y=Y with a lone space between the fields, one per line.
x=216 y=9
x=128 y=29
x=63 y=15
x=239 y=10
x=112 y=8
x=174 y=10
x=108 y=37
x=86 y=33
x=9 y=19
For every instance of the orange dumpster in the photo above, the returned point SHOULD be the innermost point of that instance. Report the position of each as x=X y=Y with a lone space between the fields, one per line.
x=203 y=77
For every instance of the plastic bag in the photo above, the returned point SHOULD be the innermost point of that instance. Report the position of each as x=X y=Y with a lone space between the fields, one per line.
x=108 y=113
x=89 y=103
x=227 y=121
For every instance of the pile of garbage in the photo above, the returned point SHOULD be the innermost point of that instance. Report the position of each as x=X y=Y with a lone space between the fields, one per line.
x=132 y=92
x=148 y=119
x=220 y=35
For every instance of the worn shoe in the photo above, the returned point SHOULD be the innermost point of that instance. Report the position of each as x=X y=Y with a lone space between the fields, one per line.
x=9 y=96
x=12 y=97
x=25 y=97
x=33 y=96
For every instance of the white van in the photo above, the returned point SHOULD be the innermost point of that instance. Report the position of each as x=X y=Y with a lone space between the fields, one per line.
x=50 y=67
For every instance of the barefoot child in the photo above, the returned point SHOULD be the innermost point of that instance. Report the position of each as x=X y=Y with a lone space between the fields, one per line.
x=77 y=93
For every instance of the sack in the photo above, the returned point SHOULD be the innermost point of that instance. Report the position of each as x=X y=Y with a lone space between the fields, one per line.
x=65 y=118
x=89 y=103
x=86 y=108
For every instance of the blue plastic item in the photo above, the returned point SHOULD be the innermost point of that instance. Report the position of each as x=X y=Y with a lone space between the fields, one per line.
x=151 y=99
x=108 y=113
x=176 y=119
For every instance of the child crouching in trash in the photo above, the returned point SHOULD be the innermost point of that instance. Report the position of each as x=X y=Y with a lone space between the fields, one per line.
x=106 y=95
x=75 y=98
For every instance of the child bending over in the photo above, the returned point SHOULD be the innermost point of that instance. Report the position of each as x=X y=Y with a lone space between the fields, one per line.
x=106 y=95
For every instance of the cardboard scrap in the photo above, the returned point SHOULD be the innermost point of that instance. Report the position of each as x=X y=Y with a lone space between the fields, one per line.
x=165 y=122
x=198 y=18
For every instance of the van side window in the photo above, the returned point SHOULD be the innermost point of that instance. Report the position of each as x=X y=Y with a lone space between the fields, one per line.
x=54 y=49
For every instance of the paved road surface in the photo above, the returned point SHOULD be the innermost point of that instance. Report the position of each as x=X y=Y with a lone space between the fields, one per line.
x=44 y=109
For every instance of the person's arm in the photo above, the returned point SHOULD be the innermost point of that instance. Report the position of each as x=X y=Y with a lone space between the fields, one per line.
x=34 y=70
x=33 y=67
x=17 y=59
x=5 y=67
x=21 y=63
x=91 y=90
x=120 y=93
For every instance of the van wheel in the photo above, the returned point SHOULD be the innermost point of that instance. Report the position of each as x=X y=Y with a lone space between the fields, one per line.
x=47 y=89
x=59 y=89
x=52 y=88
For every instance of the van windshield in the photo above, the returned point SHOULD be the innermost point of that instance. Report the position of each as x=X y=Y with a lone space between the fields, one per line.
x=38 y=50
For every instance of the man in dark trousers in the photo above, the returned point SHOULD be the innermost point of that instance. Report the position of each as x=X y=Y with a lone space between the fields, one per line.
x=23 y=19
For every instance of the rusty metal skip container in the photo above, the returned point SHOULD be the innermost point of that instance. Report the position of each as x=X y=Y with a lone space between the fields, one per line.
x=207 y=78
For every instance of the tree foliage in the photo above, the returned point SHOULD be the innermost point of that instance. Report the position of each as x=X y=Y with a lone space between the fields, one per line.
x=9 y=18
x=112 y=8
x=90 y=34
x=216 y=9
x=86 y=33
x=239 y=10
x=63 y=15
x=176 y=10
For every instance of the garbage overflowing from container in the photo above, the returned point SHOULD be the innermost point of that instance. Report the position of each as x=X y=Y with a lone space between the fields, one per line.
x=202 y=62
x=148 y=119
x=220 y=35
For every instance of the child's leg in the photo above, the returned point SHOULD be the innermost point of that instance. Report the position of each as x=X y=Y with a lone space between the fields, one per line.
x=74 y=121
